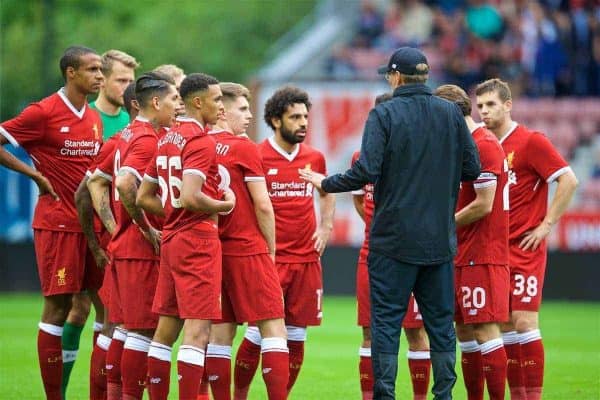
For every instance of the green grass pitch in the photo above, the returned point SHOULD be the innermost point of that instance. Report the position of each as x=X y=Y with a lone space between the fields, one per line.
x=570 y=331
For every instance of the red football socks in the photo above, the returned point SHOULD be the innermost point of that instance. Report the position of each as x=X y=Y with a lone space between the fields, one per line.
x=296 y=349
x=246 y=363
x=190 y=367
x=218 y=369
x=275 y=370
x=50 y=358
x=159 y=371
x=472 y=367
x=419 y=364
x=114 y=387
x=514 y=372
x=532 y=350
x=494 y=367
x=98 y=368
x=204 y=387
x=134 y=366
x=365 y=369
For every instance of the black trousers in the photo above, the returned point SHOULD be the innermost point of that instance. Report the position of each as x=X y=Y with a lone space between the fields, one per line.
x=391 y=283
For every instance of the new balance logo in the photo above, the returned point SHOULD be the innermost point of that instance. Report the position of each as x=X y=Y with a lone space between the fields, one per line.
x=266 y=370
x=155 y=380
x=64 y=129
x=109 y=366
x=472 y=312
x=179 y=377
x=213 y=378
x=526 y=299
x=272 y=171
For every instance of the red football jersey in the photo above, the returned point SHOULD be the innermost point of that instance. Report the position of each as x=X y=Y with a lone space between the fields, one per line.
x=369 y=207
x=485 y=241
x=292 y=199
x=533 y=163
x=104 y=160
x=134 y=151
x=61 y=141
x=185 y=149
x=239 y=163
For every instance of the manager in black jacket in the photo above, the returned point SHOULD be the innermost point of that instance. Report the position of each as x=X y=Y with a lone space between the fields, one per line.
x=416 y=148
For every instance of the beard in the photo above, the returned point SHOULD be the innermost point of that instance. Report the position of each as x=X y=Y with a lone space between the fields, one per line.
x=117 y=102
x=289 y=136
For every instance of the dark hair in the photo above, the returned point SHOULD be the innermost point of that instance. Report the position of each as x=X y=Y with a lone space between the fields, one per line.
x=72 y=58
x=151 y=84
x=494 y=85
x=457 y=96
x=128 y=97
x=196 y=82
x=284 y=97
x=382 y=98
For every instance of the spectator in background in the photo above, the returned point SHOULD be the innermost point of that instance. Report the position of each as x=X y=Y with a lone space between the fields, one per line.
x=483 y=20
x=370 y=23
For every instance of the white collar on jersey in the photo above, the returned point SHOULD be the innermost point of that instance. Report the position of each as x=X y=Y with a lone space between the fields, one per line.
x=512 y=128
x=65 y=99
x=285 y=154
x=477 y=126
x=188 y=119
x=142 y=119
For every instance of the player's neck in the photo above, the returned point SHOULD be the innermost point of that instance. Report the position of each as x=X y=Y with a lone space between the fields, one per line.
x=221 y=124
x=472 y=125
x=195 y=114
x=75 y=96
x=106 y=106
x=503 y=129
x=286 y=146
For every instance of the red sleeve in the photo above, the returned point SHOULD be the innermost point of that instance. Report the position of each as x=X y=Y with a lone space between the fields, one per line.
x=27 y=127
x=198 y=155
x=140 y=153
x=251 y=162
x=544 y=158
x=355 y=157
x=151 y=173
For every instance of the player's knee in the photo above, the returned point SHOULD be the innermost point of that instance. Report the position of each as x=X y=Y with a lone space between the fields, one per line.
x=296 y=333
x=196 y=333
x=272 y=328
x=417 y=339
x=525 y=321
x=56 y=309
x=222 y=334
x=80 y=309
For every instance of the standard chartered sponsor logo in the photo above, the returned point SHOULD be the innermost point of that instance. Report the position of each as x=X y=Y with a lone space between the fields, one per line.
x=75 y=148
x=291 y=189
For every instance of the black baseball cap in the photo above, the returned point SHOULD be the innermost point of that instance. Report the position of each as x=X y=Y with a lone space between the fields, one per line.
x=405 y=60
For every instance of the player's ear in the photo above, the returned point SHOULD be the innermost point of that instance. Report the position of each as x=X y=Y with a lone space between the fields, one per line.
x=70 y=72
x=276 y=122
x=155 y=103
x=508 y=105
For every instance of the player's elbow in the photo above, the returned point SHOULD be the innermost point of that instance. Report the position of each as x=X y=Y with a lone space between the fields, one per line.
x=262 y=208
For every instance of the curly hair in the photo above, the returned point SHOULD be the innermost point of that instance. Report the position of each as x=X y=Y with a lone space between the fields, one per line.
x=284 y=97
x=196 y=82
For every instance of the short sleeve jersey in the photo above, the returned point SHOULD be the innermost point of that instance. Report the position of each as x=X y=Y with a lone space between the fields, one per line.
x=112 y=123
x=185 y=149
x=533 y=163
x=369 y=208
x=134 y=151
x=62 y=142
x=292 y=198
x=485 y=241
x=239 y=163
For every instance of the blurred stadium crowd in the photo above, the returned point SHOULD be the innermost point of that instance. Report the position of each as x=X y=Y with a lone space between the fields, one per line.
x=544 y=47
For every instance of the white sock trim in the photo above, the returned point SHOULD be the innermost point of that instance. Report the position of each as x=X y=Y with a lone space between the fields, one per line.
x=98 y=326
x=103 y=342
x=69 y=355
x=418 y=355
x=191 y=355
x=218 y=351
x=160 y=351
x=50 y=329
x=530 y=336
x=274 y=344
x=364 y=352
x=469 y=347
x=120 y=334
x=296 y=333
x=137 y=342
x=253 y=335
x=491 y=345
x=510 y=337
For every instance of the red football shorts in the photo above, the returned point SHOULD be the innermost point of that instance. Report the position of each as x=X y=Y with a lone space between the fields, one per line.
x=189 y=283
x=94 y=275
x=135 y=283
x=412 y=319
x=302 y=285
x=251 y=290
x=109 y=295
x=527 y=271
x=481 y=294
x=61 y=261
